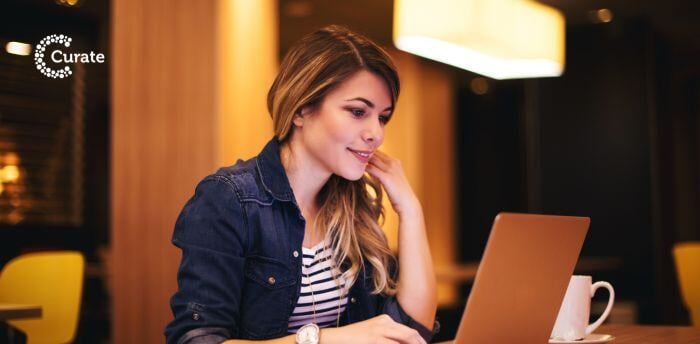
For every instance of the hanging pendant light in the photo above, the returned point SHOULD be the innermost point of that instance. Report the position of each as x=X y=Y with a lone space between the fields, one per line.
x=501 y=39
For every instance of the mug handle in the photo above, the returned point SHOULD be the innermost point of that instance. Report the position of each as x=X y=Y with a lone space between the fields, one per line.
x=592 y=327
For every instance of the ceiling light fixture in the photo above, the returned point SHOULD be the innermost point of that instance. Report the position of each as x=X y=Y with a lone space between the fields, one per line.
x=18 y=48
x=501 y=39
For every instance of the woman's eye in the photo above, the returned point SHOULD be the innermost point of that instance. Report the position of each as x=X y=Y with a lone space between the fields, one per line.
x=357 y=112
x=384 y=119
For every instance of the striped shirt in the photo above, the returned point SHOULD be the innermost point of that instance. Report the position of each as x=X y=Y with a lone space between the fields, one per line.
x=316 y=276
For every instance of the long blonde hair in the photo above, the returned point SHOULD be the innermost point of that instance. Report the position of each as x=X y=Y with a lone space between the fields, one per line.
x=350 y=212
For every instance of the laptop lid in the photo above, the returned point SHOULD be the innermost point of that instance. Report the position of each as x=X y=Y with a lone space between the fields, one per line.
x=522 y=278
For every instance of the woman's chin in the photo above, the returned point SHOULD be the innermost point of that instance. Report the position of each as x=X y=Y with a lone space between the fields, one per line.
x=352 y=175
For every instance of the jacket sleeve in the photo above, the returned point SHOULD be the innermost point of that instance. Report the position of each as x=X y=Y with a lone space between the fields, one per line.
x=211 y=232
x=391 y=307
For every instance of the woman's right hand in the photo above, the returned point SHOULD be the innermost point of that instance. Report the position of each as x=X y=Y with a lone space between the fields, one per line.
x=378 y=330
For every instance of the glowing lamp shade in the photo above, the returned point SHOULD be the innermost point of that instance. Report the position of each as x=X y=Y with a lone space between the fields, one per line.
x=501 y=39
x=18 y=48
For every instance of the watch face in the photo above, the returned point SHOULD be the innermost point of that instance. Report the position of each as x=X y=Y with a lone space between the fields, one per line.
x=308 y=334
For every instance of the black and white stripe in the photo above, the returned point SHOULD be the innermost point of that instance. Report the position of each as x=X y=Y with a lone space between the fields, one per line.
x=317 y=265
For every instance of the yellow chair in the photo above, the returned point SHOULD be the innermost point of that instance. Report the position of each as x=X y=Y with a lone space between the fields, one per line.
x=687 y=257
x=53 y=280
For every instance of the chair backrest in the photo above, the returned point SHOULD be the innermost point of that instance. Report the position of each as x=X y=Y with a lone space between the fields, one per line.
x=53 y=280
x=687 y=257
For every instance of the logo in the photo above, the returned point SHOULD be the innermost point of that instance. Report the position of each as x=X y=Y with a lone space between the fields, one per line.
x=59 y=57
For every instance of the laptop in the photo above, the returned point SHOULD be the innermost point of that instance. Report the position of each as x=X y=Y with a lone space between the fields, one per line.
x=522 y=278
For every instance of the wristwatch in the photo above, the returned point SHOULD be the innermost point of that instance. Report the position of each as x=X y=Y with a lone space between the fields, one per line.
x=308 y=334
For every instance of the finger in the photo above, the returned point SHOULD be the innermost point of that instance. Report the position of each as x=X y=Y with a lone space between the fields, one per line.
x=389 y=341
x=382 y=156
x=418 y=339
x=382 y=165
x=397 y=331
x=387 y=162
x=404 y=334
x=375 y=171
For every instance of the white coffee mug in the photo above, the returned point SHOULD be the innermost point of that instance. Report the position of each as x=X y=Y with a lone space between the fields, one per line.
x=572 y=321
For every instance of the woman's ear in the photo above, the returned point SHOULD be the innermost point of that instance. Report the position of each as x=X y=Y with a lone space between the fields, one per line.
x=298 y=120
x=299 y=117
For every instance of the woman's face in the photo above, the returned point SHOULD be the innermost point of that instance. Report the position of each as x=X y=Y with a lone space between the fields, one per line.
x=343 y=131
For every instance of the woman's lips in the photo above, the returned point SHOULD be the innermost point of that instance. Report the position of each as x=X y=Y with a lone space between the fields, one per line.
x=361 y=155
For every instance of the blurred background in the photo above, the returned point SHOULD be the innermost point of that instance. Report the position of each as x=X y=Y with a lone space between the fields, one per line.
x=101 y=162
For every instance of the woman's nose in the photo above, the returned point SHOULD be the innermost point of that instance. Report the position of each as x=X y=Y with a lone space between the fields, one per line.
x=373 y=133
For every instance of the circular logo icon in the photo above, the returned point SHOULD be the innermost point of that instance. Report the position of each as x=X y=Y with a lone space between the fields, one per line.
x=40 y=51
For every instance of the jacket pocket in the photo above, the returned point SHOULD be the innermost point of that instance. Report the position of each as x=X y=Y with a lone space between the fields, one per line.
x=268 y=272
x=267 y=300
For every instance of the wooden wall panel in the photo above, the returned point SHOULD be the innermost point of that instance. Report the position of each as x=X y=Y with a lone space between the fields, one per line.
x=421 y=135
x=403 y=137
x=188 y=91
x=438 y=167
x=163 y=120
x=247 y=52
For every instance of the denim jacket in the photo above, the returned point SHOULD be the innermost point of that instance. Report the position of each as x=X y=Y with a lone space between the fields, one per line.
x=240 y=275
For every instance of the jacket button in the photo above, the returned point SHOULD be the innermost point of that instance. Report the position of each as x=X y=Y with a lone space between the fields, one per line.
x=352 y=300
x=295 y=254
x=195 y=316
x=271 y=280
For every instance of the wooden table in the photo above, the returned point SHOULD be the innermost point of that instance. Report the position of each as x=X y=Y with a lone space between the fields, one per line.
x=643 y=334
x=14 y=311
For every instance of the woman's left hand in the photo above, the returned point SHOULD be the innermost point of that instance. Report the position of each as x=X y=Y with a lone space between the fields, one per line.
x=390 y=173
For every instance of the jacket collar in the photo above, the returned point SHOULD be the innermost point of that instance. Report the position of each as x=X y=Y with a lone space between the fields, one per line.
x=272 y=173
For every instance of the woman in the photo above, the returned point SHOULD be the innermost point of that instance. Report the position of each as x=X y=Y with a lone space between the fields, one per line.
x=261 y=239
